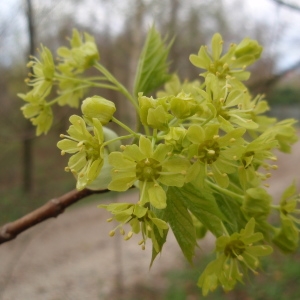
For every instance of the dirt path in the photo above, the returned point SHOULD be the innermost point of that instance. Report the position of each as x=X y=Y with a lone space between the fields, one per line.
x=73 y=258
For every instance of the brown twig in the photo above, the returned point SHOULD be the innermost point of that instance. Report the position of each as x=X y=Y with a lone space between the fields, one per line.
x=51 y=209
x=264 y=85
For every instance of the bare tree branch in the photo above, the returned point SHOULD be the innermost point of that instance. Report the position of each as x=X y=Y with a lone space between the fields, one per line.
x=289 y=5
x=51 y=209
x=266 y=84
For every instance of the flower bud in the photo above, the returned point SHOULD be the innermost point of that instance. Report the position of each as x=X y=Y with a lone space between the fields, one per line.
x=248 y=47
x=184 y=106
x=98 y=107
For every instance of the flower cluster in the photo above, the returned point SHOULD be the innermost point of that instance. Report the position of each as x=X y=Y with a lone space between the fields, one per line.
x=200 y=154
x=141 y=220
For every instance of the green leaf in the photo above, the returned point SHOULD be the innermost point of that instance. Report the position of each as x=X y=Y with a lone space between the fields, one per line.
x=202 y=205
x=181 y=223
x=160 y=241
x=152 y=70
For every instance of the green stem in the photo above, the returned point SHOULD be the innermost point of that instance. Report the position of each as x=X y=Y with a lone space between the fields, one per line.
x=124 y=126
x=225 y=229
x=120 y=87
x=226 y=192
x=276 y=207
x=89 y=82
x=129 y=136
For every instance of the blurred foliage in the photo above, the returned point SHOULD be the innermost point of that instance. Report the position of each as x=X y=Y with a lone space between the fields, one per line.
x=284 y=95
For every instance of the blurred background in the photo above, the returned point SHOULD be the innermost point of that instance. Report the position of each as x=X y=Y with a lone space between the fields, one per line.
x=32 y=168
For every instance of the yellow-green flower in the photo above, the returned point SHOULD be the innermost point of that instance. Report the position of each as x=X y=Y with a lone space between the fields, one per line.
x=83 y=53
x=287 y=236
x=213 y=155
x=176 y=137
x=152 y=167
x=37 y=111
x=256 y=154
x=87 y=159
x=231 y=105
x=235 y=255
x=70 y=91
x=43 y=72
x=140 y=218
x=233 y=63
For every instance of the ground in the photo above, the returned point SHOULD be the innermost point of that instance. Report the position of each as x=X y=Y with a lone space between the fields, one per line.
x=73 y=258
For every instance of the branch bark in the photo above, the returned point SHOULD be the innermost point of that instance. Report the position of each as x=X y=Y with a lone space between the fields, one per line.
x=265 y=85
x=289 y=5
x=51 y=209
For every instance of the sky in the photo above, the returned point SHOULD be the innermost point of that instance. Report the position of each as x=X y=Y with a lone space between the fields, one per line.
x=13 y=22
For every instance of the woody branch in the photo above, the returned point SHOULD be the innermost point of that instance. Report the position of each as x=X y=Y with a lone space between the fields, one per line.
x=51 y=209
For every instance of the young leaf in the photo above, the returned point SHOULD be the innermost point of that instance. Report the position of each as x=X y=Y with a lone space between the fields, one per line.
x=160 y=241
x=181 y=223
x=202 y=205
x=152 y=70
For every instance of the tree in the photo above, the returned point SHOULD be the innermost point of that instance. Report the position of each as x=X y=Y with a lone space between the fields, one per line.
x=197 y=161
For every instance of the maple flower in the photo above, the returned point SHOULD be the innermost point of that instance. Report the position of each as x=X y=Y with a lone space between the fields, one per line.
x=140 y=218
x=212 y=154
x=154 y=169
x=231 y=105
x=37 y=111
x=255 y=154
x=232 y=63
x=287 y=236
x=235 y=254
x=43 y=72
x=70 y=91
x=87 y=159
x=83 y=52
